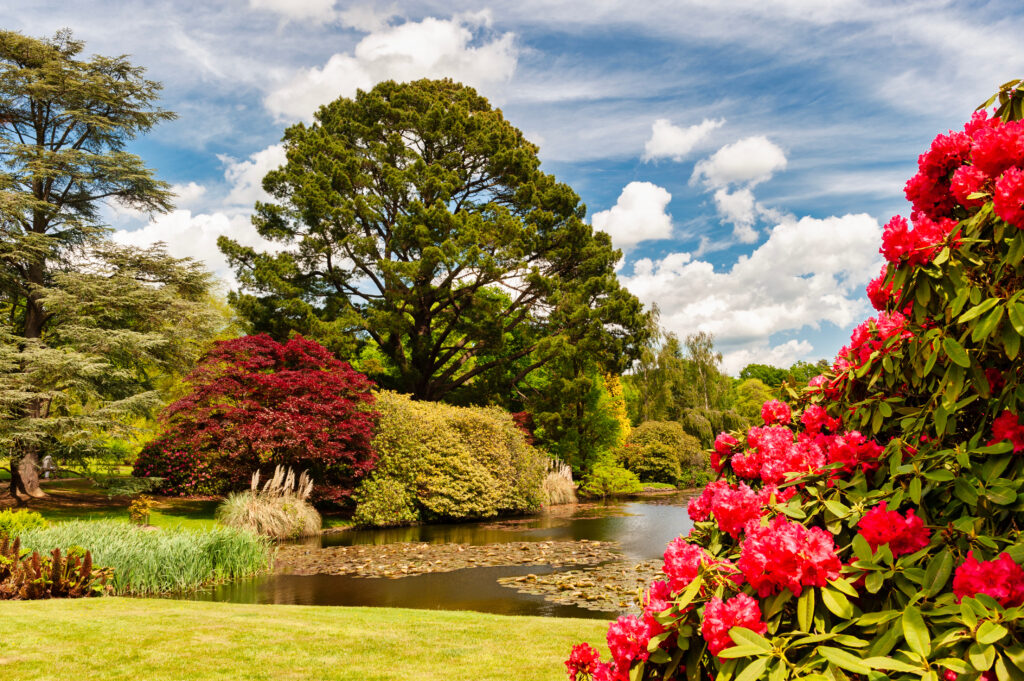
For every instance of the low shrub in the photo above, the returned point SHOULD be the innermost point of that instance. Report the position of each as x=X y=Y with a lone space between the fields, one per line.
x=26 y=576
x=14 y=523
x=279 y=510
x=451 y=462
x=608 y=479
x=558 y=487
x=385 y=502
x=159 y=561
x=661 y=451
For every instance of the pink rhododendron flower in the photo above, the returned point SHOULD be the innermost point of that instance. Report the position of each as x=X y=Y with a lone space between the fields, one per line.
x=1008 y=202
x=627 y=641
x=999 y=147
x=903 y=534
x=968 y=180
x=658 y=599
x=787 y=555
x=816 y=420
x=684 y=560
x=1007 y=426
x=853 y=451
x=720 y=616
x=725 y=445
x=1002 y=579
x=775 y=411
x=582 y=662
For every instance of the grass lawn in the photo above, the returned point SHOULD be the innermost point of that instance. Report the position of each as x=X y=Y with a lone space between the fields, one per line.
x=131 y=639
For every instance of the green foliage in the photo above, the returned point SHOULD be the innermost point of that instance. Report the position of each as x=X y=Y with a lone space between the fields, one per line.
x=608 y=479
x=385 y=502
x=14 y=523
x=452 y=462
x=26 y=576
x=438 y=203
x=574 y=413
x=86 y=322
x=661 y=451
x=159 y=561
x=696 y=422
x=748 y=396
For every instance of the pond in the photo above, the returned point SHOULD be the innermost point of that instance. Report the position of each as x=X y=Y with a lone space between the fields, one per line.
x=641 y=528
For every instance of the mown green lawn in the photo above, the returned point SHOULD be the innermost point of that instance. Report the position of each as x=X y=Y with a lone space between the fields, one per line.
x=152 y=640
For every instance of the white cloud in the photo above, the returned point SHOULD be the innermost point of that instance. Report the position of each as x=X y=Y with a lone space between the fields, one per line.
x=432 y=48
x=671 y=141
x=186 y=195
x=749 y=161
x=298 y=10
x=246 y=177
x=638 y=215
x=808 y=272
x=740 y=209
x=365 y=17
x=783 y=355
x=195 y=236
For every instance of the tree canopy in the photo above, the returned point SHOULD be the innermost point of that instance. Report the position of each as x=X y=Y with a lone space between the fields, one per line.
x=416 y=219
x=86 y=323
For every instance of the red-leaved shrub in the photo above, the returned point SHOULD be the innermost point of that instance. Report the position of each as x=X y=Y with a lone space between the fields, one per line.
x=255 y=403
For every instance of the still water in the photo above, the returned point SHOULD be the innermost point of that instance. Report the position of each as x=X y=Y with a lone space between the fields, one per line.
x=642 y=528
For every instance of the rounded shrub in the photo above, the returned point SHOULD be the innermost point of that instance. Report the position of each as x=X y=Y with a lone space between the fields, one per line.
x=874 y=531
x=661 y=451
x=14 y=523
x=451 y=462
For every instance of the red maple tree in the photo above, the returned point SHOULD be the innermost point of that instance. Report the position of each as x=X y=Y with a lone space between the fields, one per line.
x=256 y=403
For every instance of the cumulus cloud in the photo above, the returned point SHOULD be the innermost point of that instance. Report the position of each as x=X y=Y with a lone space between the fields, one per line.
x=458 y=48
x=195 y=236
x=674 y=142
x=246 y=177
x=809 y=271
x=366 y=17
x=298 y=10
x=740 y=209
x=638 y=215
x=749 y=162
x=782 y=355
x=186 y=195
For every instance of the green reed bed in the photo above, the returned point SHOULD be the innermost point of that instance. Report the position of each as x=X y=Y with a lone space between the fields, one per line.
x=159 y=561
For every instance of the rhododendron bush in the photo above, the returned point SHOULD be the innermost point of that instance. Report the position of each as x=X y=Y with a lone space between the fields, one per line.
x=254 y=404
x=872 y=530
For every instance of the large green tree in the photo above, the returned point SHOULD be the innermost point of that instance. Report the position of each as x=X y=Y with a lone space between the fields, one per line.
x=414 y=217
x=64 y=123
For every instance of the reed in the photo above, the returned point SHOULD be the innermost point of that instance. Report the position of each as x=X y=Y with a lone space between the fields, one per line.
x=159 y=561
x=279 y=509
x=558 y=486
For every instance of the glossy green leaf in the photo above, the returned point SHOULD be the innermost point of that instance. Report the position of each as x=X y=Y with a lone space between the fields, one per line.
x=955 y=352
x=915 y=631
x=844 y=660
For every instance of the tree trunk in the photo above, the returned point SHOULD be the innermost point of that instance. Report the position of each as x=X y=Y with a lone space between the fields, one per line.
x=25 y=475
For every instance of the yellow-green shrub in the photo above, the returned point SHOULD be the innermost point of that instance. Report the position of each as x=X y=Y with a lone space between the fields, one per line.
x=661 y=451
x=451 y=462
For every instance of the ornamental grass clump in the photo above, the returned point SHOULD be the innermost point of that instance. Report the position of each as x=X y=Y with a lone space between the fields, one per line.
x=280 y=509
x=871 y=528
x=159 y=561
x=557 y=486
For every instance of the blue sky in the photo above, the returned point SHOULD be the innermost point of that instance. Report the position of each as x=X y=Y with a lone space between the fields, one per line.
x=743 y=154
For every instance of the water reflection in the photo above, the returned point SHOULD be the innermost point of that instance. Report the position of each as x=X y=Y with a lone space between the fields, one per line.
x=642 y=528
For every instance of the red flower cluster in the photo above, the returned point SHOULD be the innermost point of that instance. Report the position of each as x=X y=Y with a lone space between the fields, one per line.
x=582 y=662
x=725 y=445
x=720 y=616
x=1007 y=426
x=684 y=560
x=774 y=455
x=657 y=599
x=734 y=506
x=918 y=245
x=903 y=534
x=880 y=294
x=816 y=420
x=870 y=337
x=1002 y=579
x=787 y=555
x=627 y=641
x=853 y=451
x=987 y=157
x=775 y=411
x=1008 y=202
